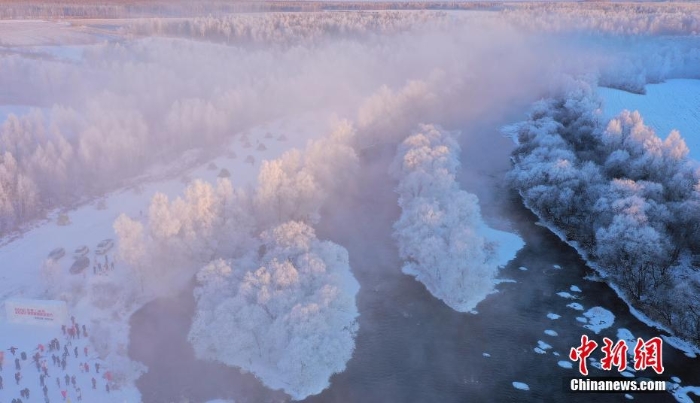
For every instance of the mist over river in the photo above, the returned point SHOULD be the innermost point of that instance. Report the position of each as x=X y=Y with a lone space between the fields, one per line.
x=411 y=347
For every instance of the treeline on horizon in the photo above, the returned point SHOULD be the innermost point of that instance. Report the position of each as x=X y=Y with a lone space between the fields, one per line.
x=17 y=9
x=131 y=9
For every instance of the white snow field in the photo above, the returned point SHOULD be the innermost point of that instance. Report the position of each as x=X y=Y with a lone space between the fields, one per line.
x=29 y=273
x=35 y=32
x=28 y=337
x=671 y=105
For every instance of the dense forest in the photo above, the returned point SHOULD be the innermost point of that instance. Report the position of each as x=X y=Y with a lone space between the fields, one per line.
x=626 y=198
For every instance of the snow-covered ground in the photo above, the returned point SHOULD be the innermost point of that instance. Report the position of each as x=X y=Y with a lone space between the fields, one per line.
x=26 y=338
x=508 y=244
x=24 y=258
x=674 y=104
x=37 y=32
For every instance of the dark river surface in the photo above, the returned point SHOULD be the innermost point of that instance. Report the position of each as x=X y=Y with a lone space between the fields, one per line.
x=410 y=346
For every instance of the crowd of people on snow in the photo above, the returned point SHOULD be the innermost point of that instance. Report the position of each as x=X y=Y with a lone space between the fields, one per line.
x=74 y=337
x=102 y=269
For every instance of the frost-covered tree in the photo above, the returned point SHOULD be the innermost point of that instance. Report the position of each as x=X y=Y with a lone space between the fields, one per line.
x=294 y=186
x=206 y=222
x=287 y=190
x=639 y=253
x=287 y=315
x=132 y=249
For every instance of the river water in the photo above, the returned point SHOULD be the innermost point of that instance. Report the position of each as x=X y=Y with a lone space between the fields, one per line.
x=411 y=347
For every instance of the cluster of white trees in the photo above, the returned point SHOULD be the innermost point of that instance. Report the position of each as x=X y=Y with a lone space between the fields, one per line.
x=18 y=194
x=124 y=106
x=98 y=133
x=294 y=186
x=181 y=8
x=675 y=18
x=210 y=222
x=288 y=315
x=627 y=198
x=271 y=299
x=440 y=233
x=285 y=28
x=180 y=235
x=639 y=43
x=43 y=168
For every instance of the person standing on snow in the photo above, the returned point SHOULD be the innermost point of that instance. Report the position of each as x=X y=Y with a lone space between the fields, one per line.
x=94 y=383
